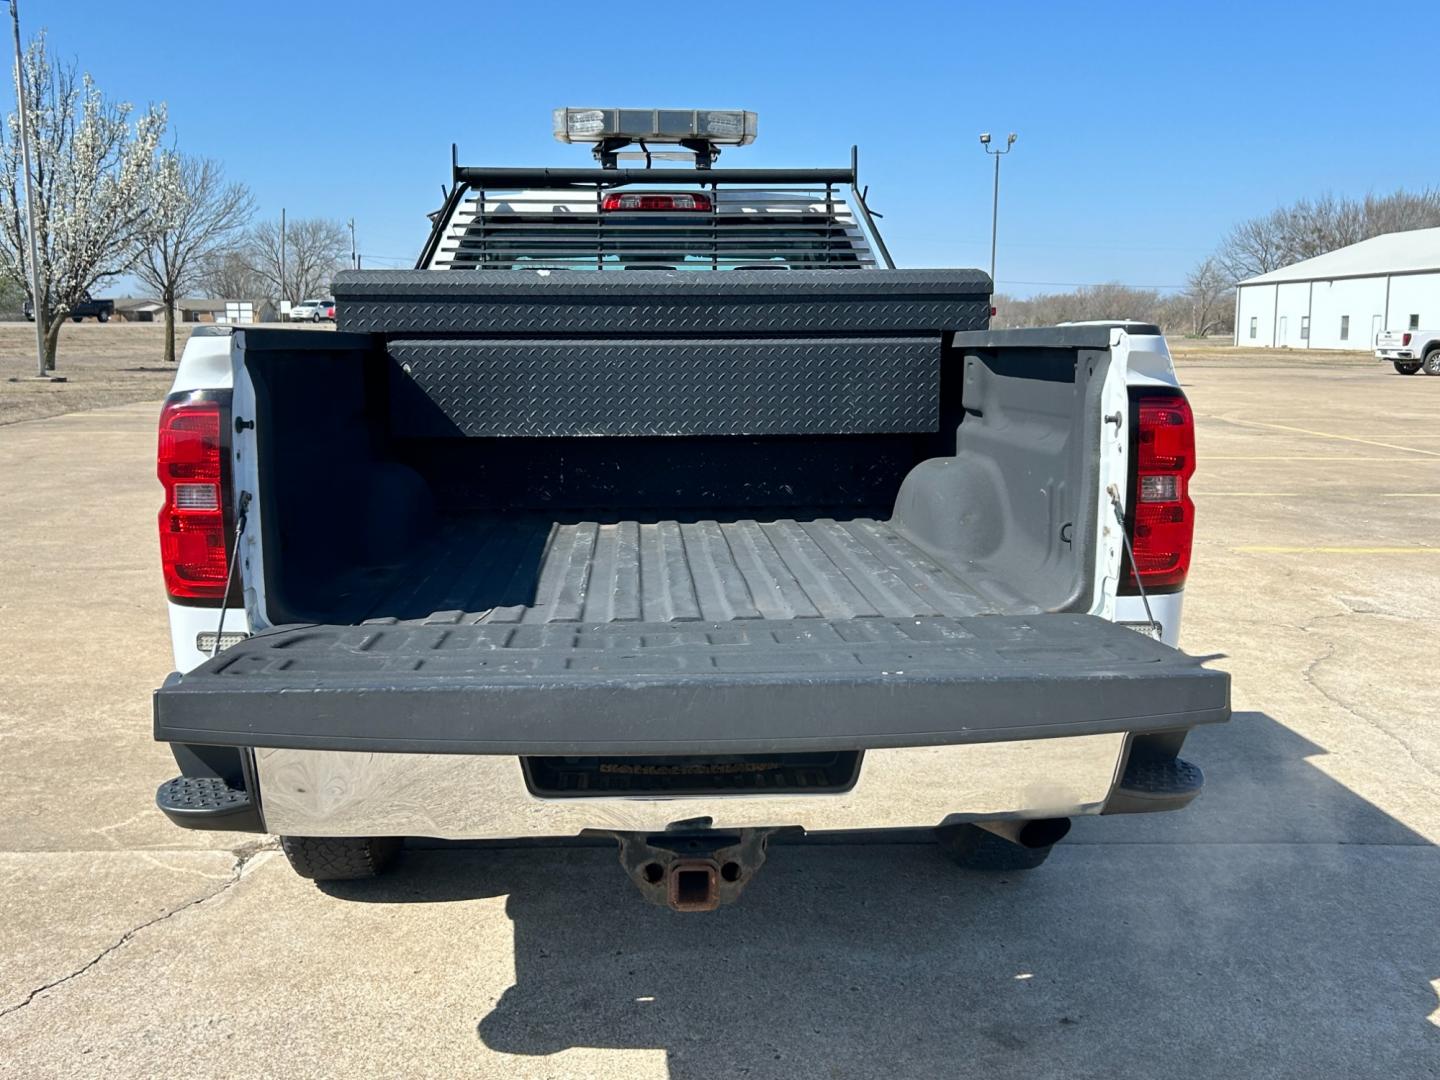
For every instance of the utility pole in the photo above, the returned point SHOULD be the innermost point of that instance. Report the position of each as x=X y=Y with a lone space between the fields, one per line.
x=995 y=205
x=354 y=258
x=284 y=285
x=37 y=308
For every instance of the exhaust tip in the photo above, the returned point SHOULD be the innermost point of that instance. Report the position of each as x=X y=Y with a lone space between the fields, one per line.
x=694 y=886
x=1042 y=832
x=1031 y=833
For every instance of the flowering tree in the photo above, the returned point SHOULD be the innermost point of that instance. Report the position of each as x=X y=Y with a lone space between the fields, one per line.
x=202 y=224
x=98 y=182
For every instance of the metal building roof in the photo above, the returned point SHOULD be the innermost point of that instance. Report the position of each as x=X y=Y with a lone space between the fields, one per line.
x=1393 y=253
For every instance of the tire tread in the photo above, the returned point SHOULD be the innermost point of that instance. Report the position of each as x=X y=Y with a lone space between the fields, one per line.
x=339 y=858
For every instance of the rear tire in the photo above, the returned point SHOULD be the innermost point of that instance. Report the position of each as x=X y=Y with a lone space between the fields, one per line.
x=104 y=316
x=1407 y=367
x=1432 y=362
x=339 y=858
x=973 y=848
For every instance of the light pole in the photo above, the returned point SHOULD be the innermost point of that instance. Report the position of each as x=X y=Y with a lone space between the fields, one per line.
x=284 y=288
x=997 y=154
x=354 y=258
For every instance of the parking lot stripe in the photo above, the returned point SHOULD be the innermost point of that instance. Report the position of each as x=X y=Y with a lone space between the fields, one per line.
x=1296 y=494
x=1331 y=435
x=1257 y=549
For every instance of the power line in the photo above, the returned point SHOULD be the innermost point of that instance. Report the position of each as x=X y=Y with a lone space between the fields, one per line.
x=1085 y=284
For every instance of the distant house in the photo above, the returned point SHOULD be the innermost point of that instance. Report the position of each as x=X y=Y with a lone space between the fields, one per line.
x=197 y=310
x=194 y=309
x=138 y=309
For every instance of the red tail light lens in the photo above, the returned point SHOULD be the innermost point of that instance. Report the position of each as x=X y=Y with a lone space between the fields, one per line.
x=1162 y=517
x=1405 y=340
x=632 y=200
x=192 y=521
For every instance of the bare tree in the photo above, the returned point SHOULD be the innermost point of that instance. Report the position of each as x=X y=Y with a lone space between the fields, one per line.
x=312 y=253
x=1314 y=226
x=205 y=221
x=1109 y=301
x=1255 y=247
x=229 y=274
x=1402 y=210
x=1310 y=227
x=97 y=186
x=1208 y=296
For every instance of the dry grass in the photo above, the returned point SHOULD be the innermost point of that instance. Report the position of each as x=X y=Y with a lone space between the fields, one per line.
x=103 y=364
x=1219 y=351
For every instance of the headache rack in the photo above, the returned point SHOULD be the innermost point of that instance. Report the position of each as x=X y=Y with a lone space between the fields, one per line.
x=502 y=218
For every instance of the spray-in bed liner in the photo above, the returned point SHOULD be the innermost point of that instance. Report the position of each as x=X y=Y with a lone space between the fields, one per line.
x=506 y=569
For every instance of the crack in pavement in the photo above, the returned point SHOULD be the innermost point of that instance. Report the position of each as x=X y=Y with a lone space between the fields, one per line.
x=1307 y=675
x=244 y=855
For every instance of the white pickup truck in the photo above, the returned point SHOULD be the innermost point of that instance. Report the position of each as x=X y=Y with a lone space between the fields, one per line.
x=656 y=503
x=1410 y=350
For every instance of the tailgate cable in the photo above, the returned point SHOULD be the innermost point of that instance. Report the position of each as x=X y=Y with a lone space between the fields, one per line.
x=230 y=570
x=1114 y=494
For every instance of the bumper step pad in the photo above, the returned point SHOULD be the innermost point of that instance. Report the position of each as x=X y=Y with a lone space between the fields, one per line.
x=206 y=802
x=1151 y=784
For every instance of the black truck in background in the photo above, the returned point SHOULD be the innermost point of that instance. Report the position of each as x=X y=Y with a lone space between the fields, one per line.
x=99 y=310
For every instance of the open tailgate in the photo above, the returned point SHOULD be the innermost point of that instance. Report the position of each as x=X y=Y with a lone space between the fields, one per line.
x=693 y=687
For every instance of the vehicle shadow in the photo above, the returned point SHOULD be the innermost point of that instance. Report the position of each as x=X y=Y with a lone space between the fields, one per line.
x=1281 y=926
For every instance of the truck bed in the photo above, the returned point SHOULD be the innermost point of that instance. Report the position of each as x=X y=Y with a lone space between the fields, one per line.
x=531 y=569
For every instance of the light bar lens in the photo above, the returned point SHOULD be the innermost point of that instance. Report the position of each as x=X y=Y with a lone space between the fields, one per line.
x=733 y=127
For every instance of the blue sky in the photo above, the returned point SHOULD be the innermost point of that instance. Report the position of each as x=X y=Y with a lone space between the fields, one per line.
x=1145 y=130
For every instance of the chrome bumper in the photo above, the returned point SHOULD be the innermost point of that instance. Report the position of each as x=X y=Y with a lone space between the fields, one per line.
x=471 y=797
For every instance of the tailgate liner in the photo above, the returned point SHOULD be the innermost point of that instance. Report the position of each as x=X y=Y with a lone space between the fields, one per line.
x=754 y=686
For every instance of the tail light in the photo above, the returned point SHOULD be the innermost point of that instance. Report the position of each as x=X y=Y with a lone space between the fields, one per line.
x=632 y=200
x=1162 y=517
x=1405 y=340
x=192 y=521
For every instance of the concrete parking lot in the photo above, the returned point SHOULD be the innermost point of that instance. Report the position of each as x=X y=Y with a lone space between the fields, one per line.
x=1288 y=924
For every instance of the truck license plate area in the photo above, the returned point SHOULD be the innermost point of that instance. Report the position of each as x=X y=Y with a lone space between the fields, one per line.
x=693 y=774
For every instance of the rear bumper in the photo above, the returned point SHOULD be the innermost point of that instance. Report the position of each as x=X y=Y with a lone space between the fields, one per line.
x=1397 y=354
x=463 y=797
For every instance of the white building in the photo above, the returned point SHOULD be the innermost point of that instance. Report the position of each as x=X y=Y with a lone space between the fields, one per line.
x=1342 y=299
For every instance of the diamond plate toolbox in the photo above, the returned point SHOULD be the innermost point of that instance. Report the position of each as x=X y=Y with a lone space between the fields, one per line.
x=751 y=386
x=642 y=303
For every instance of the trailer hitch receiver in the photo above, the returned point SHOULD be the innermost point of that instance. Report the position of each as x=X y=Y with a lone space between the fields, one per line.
x=693 y=868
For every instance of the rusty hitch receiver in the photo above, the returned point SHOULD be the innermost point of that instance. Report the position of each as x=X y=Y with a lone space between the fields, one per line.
x=691 y=868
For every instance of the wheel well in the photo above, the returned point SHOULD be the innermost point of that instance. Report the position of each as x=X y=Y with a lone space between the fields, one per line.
x=1430 y=346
